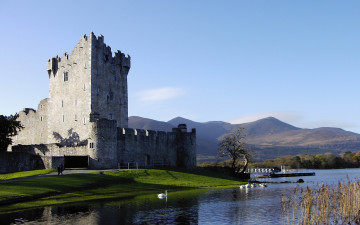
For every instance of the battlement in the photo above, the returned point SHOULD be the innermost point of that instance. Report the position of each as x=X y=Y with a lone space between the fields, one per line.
x=28 y=110
x=93 y=43
x=151 y=133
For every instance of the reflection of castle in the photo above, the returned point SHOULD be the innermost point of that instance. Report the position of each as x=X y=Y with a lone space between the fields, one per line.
x=84 y=121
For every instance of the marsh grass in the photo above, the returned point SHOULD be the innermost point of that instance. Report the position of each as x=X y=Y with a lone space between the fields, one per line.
x=9 y=176
x=324 y=204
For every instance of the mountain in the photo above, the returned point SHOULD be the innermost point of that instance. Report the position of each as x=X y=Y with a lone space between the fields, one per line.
x=137 y=122
x=268 y=137
x=210 y=130
x=268 y=126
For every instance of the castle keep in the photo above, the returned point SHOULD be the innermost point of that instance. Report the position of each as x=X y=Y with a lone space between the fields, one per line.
x=84 y=121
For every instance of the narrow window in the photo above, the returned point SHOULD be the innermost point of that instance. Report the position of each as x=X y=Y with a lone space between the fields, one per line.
x=41 y=118
x=91 y=145
x=114 y=77
x=107 y=99
x=75 y=117
x=66 y=76
x=84 y=65
x=62 y=103
x=63 y=118
x=84 y=87
x=84 y=120
x=110 y=116
x=120 y=101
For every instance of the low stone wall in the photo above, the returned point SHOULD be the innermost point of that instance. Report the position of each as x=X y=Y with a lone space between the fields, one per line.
x=19 y=161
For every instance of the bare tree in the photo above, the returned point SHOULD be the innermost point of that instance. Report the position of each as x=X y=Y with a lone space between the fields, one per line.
x=233 y=146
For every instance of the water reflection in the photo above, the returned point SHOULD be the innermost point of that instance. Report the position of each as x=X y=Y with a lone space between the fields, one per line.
x=219 y=206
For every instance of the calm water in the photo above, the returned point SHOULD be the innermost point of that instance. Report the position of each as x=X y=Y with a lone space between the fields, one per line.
x=221 y=206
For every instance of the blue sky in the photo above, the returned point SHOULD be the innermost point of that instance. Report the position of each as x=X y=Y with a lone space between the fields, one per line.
x=234 y=61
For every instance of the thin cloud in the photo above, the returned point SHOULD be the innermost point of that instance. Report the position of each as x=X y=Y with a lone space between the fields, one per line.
x=160 y=94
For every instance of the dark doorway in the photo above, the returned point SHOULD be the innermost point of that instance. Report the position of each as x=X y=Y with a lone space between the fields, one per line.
x=76 y=161
x=147 y=160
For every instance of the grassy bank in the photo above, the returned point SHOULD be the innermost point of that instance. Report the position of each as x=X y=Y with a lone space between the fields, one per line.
x=9 y=176
x=110 y=185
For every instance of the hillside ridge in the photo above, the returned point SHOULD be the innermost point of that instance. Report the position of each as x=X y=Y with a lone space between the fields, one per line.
x=269 y=137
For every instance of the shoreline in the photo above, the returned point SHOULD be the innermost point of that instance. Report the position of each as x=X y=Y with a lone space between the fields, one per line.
x=73 y=188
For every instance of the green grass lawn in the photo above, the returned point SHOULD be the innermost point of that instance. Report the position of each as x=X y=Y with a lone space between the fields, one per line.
x=110 y=185
x=9 y=176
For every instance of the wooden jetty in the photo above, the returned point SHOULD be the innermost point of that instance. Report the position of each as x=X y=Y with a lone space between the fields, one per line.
x=288 y=174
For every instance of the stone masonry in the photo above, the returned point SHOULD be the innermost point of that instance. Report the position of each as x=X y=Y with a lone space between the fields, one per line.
x=86 y=115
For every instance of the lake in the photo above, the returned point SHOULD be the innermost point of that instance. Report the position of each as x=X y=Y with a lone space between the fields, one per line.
x=216 y=206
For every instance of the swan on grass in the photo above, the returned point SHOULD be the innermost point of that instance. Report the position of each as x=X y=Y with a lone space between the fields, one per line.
x=161 y=196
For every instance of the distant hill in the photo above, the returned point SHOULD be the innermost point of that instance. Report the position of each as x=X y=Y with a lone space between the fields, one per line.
x=269 y=137
x=149 y=124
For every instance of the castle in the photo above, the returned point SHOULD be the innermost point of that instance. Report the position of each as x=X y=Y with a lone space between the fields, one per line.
x=84 y=121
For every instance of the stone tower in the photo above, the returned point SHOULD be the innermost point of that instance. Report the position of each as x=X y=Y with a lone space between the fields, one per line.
x=88 y=84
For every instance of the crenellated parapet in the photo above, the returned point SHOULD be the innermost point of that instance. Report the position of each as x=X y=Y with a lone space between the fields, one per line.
x=91 y=43
x=151 y=134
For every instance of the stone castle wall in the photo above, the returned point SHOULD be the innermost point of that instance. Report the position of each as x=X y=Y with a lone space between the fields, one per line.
x=18 y=161
x=114 y=145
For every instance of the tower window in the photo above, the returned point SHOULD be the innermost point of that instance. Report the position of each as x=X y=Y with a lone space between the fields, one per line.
x=62 y=103
x=110 y=116
x=84 y=120
x=84 y=87
x=63 y=118
x=66 y=76
x=41 y=118
x=120 y=101
x=91 y=145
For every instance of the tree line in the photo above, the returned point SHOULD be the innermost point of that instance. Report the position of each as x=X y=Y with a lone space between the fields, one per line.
x=306 y=161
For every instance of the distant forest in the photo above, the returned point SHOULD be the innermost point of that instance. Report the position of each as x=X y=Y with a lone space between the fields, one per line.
x=306 y=161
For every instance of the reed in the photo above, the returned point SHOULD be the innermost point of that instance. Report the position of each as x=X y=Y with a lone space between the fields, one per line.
x=324 y=204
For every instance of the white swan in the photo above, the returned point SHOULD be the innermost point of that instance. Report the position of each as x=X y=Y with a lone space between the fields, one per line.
x=245 y=186
x=161 y=196
x=263 y=185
